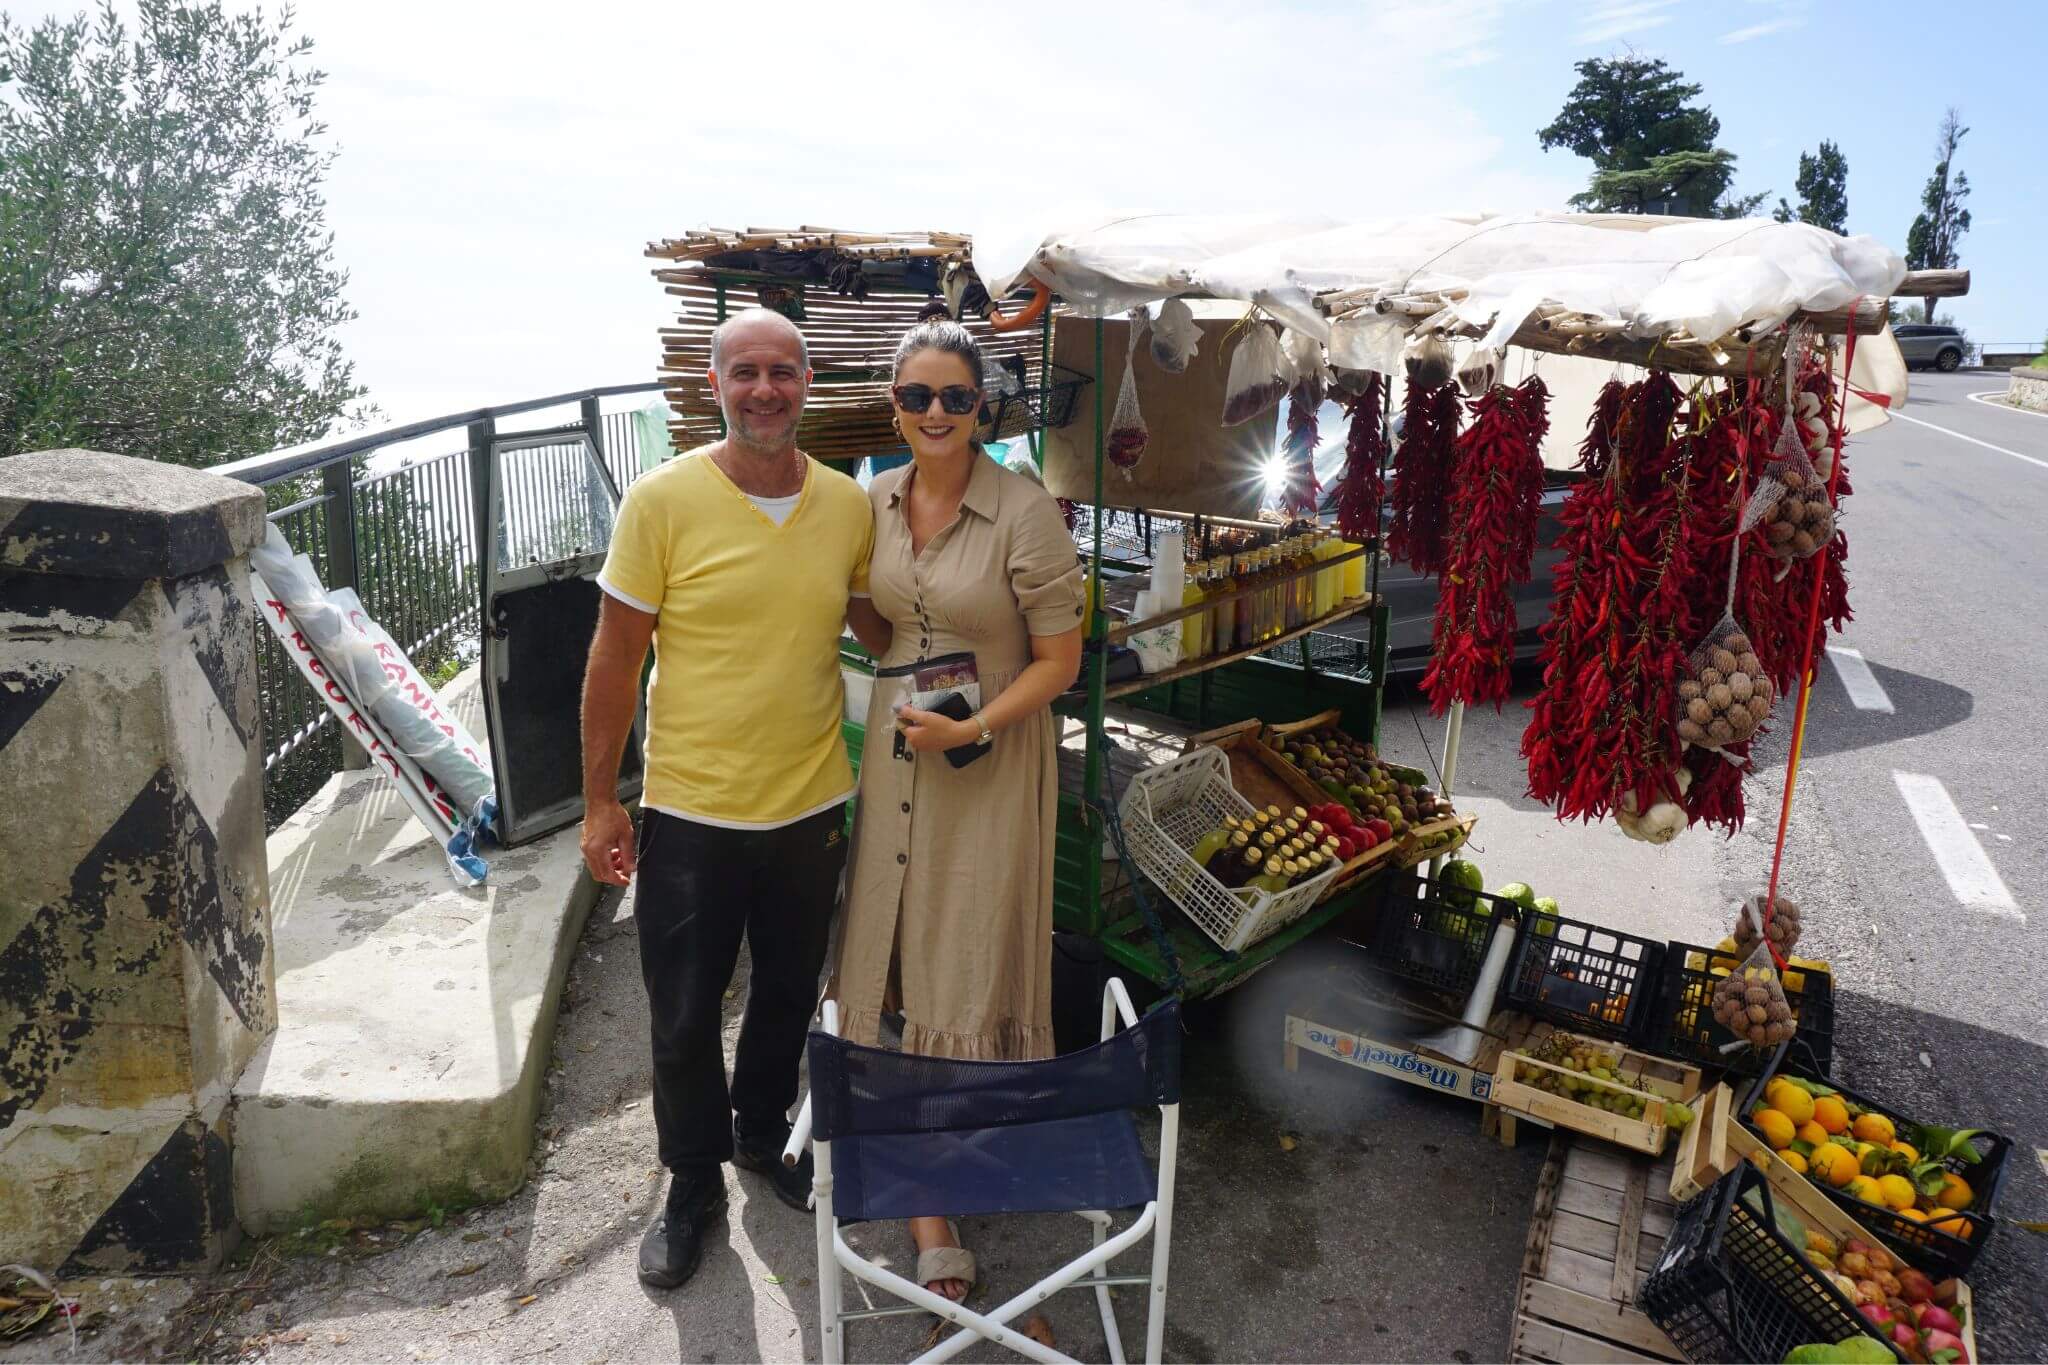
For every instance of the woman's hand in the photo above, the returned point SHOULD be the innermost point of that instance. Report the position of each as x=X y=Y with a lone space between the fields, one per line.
x=929 y=732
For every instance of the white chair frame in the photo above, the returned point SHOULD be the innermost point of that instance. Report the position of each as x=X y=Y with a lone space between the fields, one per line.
x=1085 y=1272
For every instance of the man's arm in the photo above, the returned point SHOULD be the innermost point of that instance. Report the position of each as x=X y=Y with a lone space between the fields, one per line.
x=869 y=627
x=611 y=694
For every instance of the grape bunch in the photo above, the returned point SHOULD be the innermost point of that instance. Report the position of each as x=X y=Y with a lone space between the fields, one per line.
x=1586 y=1065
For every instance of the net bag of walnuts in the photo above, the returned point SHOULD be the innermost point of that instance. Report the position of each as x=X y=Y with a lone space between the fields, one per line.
x=1750 y=1002
x=1781 y=931
x=1791 y=500
x=1723 y=692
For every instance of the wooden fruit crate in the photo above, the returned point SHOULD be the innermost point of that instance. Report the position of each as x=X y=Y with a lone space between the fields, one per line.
x=1265 y=778
x=1598 y=1227
x=1656 y=1080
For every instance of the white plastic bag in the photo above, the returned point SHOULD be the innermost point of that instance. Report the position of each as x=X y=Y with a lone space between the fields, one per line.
x=1158 y=649
x=1308 y=375
x=1175 y=336
x=1258 y=377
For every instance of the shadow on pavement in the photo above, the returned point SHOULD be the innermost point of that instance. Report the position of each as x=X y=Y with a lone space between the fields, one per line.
x=1921 y=706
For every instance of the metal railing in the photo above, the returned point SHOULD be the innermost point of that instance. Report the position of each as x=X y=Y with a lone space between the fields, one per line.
x=405 y=539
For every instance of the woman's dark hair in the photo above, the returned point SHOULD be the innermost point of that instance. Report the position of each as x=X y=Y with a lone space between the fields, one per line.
x=940 y=335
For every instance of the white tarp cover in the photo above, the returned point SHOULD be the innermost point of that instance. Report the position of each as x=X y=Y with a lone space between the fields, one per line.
x=1657 y=275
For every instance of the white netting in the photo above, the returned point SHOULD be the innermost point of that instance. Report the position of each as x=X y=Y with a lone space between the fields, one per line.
x=1259 y=374
x=1723 y=693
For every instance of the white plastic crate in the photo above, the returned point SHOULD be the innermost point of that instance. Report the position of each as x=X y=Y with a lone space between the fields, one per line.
x=1165 y=811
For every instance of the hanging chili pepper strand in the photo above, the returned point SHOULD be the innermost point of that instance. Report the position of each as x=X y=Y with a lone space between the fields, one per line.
x=1496 y=498
x=1297 y=450
x=1422 y=476
x=1583 y=591
x=1602 y=724
x=1365 y=455
x=1598 y=448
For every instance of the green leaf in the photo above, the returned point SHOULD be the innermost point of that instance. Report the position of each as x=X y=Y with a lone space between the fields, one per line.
x=1802 y=1146
x=1945 y=1355
x=1927 y=1177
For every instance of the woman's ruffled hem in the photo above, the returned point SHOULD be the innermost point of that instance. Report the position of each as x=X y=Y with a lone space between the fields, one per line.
x=1010 y=1041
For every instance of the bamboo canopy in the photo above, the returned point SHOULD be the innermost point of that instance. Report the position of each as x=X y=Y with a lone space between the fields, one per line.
x=852 y=340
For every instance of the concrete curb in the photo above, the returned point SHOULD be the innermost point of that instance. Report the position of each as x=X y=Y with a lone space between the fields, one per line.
x=415 y=1019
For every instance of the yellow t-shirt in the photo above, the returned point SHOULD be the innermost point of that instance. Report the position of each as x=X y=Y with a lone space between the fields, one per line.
x=744 y=707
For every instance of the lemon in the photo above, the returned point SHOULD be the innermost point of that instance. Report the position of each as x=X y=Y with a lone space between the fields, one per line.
x=1832 y=1164
x=1794 y=1160
x=1777 y=1128
x=1812 y=1133
x=1907 y=1150
x=1955 y=1192
x=1789 y=1100
x=1866 y=1189
x=1875 y=1128
x=1830 y=1113
x=1897 y=1191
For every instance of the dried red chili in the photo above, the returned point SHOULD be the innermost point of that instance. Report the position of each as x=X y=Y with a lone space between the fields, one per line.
x=1419 y=501
x=1365 y=456
x=1297 y=451
x=1495 y=500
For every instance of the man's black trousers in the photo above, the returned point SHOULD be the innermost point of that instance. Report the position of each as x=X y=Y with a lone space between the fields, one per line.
x=700 y=889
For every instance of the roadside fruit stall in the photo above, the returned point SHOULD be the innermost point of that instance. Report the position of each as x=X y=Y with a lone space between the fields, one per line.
x=1225 y=792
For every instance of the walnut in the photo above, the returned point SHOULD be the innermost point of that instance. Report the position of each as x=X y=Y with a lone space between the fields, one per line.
x=1692 y=733
x=1710 y=676
x=1747 y=662
x=1740 y=687
x=1699 y=711
x=1759 y=707
x=1688 y=690
x=1724 y=661
x=1720 y=697
x=1720 y=732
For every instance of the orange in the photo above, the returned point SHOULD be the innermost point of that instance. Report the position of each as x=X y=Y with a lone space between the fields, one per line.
x=1789 y=1100
x=1794 y=1160
x=1830 y=1113
x=1955 y=1224
x=1913 y=1214
x=1874 y=1128
x=1906 y=1150
x=1811 y=1132
x=1832 y=1164
x=1866 y=1189
x=1776 y=1127
x=1955 y=1192
x=1898 y=1191
x=1761 y=1159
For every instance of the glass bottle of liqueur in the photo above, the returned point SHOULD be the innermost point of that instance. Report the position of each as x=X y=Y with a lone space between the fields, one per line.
x=1247 y=605
x=1222 y=616
x=1269 y=572
x=1212 y=843
x=1194 y=630
x=1242 y=866
x=1228 y=853
x=1275 y=879
x=1302 y=587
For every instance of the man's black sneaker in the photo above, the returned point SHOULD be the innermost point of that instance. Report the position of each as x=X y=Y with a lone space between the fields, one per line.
x=674 y=1246
x=764 y=1155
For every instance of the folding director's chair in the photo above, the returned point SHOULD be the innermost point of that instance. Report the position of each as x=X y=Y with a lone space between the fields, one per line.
x=898 y=1136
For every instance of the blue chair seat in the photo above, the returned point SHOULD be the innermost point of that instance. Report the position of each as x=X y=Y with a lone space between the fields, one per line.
x=1093 y=1161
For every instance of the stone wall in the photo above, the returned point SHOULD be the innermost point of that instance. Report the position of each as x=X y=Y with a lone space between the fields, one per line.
x=135 y=963
x=2029 y=389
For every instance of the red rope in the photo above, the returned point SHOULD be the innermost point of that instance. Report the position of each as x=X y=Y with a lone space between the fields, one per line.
x=1820 y=563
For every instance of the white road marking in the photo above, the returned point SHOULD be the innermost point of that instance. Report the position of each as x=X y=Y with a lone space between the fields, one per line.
x=1971 y=439
x=1996 y=399
x=1963 y=862
x=1864 y=690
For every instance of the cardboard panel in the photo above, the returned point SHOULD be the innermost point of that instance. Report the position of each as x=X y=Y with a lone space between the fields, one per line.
x=1193 y=463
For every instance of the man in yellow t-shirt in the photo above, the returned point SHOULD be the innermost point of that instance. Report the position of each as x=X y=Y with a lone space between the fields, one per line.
x=736 y=561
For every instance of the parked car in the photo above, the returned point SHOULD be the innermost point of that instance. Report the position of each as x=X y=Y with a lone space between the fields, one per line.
x=1927 y=343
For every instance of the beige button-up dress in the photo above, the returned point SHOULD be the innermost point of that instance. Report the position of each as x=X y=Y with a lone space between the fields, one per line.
x=949 y=894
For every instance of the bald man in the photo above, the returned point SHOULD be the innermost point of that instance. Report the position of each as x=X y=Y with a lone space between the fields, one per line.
x=736 y=562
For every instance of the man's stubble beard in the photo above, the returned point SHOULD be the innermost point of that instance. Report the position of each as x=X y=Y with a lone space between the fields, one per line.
x=741 y=433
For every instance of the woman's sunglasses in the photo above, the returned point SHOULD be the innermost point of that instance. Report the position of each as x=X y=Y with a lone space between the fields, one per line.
x=957 y=399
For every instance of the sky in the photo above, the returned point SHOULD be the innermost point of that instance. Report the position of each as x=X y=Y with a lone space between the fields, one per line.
x=501 y=170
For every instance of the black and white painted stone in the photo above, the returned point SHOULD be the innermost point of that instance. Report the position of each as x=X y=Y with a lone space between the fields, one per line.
x=135 y=964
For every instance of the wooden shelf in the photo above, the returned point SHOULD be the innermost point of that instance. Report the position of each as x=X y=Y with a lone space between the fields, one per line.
x=1152 y=680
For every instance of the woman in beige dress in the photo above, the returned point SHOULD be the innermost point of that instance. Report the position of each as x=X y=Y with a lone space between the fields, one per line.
x=949 y=894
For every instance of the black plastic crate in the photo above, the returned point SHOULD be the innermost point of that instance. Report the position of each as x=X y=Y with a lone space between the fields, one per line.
x=1419 y=934
x=1941 y=1254
x=1038 y=405
x=1731 y=1285
x=1682 y=1023
x=1588 y=978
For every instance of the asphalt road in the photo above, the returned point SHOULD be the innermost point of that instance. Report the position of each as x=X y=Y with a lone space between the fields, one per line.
x=1934 y=920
